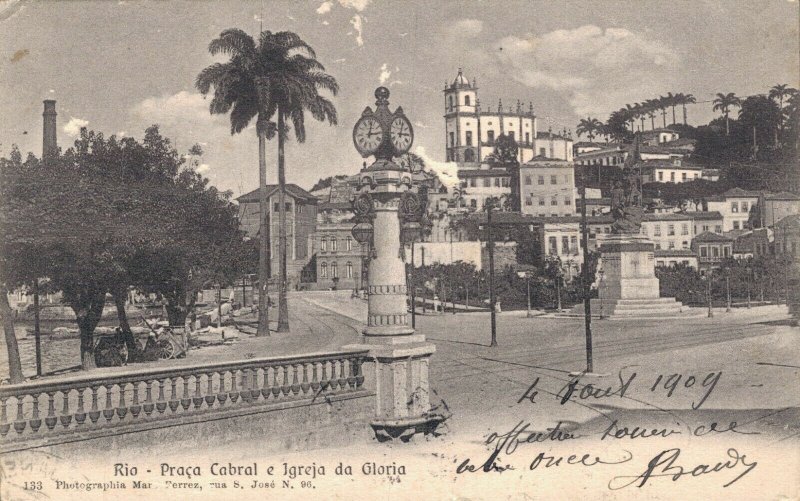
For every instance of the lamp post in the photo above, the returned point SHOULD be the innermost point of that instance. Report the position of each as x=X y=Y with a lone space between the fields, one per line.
x=490 y=245
x=749 y=270
x=728 y=289
x=708 y=293
x=601 y=273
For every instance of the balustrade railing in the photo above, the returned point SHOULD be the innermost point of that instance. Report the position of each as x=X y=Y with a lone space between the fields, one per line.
x=85 y=403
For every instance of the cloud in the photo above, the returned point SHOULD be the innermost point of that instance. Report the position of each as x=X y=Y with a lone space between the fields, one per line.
x=202 y=168
x=357 y=22
x=324 y=8
x=74 y=126
x=421 y=125
x=447 y=172
x=385 y=74
x=598 y=70
x=358 y=5
x=466 y=28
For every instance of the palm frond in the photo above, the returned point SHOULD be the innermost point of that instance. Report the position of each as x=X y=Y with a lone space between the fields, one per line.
x=233 y=41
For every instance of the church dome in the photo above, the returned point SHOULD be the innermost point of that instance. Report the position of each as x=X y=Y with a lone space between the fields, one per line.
x=460 y=80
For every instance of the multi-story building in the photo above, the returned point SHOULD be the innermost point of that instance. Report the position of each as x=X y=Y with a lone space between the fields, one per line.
x=658 y=137
x=669 y=230
x=711 y=250
x=547 y=187
x=471 y=129
x=777 y=206
x=734 y=205
x=787 y=237
x=481 y=182
x=340 y=261
x=707 y=221
x=674 y=257
x=676 y=170
x=301 y=220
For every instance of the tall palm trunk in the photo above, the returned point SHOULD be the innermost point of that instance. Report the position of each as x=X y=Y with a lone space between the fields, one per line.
x=14 y=363
x=263 y=232
x=727 y=124
x=664 y=116
x=673 y=115
x=684 y=115
x=283 y=307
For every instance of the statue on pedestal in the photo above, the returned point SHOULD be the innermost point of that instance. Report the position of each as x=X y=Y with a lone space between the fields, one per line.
x=626 y=196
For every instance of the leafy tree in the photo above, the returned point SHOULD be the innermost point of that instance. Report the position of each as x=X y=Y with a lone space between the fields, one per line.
x=279 y=79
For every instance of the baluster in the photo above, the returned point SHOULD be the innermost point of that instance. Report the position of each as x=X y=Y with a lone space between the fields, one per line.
x=359 y=374
x=285 y=386
x=255 y=391
x=80 y=414
x=333 y=382
x=222 y=396
x=65 y=417
x=20 y=423
x=185 y=400
x=295 y=381
x=135 y=407
x=51 y=419
x=108 y=412
x=174 y=401
x=148 y=397
x=94 y=413
x=198 y=396
x=245 y=393
x=210 y=396
x=122 y=408
x=265 y=389
x=274 y=386
x=342 y=378
x=5 y=426
x=305 y=386
x=161 y=404
x=351 y=376
x=234 y=393
x=35 y=421
x=314 y=378
x=324 y=383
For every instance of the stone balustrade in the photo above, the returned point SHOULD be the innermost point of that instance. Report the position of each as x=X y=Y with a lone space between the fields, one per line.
x=48 y=412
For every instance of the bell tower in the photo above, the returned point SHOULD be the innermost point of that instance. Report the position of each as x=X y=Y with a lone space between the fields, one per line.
x=461 y=119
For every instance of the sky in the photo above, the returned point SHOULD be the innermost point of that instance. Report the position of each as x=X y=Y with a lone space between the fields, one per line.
x=119 y=66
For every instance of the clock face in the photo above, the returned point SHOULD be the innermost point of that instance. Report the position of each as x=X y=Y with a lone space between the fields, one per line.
x=367 y=135
x=401 y=134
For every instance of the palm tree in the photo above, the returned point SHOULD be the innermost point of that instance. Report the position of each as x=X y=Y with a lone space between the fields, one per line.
x=671 y=100
x=723 y=103
x=662 y=105
x=684 y=100
x=641 y=112
x=278 y=76
x=589 y=126
x=651 y=106
x=779 y=92
x=631 y=114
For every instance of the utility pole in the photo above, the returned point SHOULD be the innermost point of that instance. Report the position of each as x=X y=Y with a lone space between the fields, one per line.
x=587 y=303
x=728 y=291
x=528 y=277
x=490 y=245
x=36 y=330
x=708 y=293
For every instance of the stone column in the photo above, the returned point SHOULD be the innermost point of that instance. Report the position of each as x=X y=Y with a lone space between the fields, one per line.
x=399 y=357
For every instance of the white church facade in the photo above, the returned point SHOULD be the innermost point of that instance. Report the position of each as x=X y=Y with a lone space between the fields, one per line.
x=471 y=130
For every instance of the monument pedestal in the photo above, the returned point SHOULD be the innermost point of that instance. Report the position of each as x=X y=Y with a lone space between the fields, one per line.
x=630 y=286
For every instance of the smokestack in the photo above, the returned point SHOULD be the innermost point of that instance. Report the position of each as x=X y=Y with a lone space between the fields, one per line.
x=49 y=139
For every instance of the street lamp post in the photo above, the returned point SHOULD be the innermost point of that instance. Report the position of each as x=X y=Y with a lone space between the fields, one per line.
x=528 y=280
x=749 y=279
x=601 y=273
x=490 y=245
x=708 y=293
x=728 y=290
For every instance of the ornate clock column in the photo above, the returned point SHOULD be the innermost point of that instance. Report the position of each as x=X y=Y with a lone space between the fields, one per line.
x=388 y=208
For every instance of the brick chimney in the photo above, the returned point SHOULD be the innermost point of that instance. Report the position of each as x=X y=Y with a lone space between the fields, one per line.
x=49 y=139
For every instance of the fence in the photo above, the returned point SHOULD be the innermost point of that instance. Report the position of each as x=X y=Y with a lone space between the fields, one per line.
x=46 y=413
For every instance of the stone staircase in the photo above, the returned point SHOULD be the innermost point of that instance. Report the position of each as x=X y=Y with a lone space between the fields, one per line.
x=654 y=307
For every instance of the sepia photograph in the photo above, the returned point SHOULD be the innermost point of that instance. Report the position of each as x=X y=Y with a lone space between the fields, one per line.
x=399 y=250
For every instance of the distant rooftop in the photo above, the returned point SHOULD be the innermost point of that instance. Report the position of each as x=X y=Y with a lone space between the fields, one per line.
x=292 y=190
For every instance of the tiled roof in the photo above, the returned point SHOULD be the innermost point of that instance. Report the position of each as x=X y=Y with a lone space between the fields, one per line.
x=789 y=221
x=784 y=195
x=546 y=135
x=467 y=173
x=707 y=236
x=705 y=215
x=292 y=190
x=674 y=253
x=738 y=192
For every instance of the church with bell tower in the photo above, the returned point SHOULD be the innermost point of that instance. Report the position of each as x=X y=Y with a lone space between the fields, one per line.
x=471 y=128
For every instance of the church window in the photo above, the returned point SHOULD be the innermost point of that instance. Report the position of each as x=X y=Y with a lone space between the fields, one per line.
x=497 y=182
x=452 y=139
x=324 y=244
x=511 y=134
x=333 y=244
x=490 y=136
x=527 y=137
x=323 y=270
x=565 y=245
x=348 y=243
x=349 y=270
x=469 y=137
x=469 y=156
x=466 y=100
x=451 y=102
x=487 y=182
x=334 y=270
